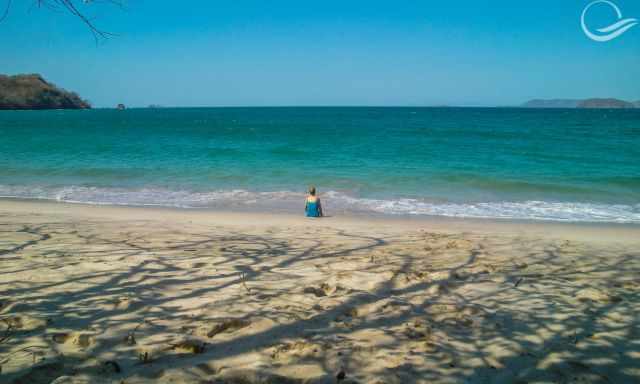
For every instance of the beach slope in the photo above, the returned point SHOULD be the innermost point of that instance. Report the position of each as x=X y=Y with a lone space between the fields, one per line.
x=112 y=295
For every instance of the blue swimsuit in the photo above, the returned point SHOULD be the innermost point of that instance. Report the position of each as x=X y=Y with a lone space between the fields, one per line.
x=313 y=208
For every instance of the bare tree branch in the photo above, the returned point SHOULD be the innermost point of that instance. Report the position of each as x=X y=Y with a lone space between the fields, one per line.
x=97 y=33
x=71 y=7
x=6 y=11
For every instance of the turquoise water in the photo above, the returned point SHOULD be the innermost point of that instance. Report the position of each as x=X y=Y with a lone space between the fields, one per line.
x=569 y=165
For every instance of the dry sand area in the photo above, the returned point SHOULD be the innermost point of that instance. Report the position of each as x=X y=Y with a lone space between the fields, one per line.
x=127 y=295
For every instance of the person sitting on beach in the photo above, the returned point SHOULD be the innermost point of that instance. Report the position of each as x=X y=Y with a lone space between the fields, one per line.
x=313 y=207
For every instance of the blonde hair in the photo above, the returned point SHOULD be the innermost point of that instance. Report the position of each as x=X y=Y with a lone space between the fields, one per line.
x=312 y=190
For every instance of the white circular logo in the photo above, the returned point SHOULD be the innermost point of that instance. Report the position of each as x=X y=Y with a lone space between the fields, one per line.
x=611 y=32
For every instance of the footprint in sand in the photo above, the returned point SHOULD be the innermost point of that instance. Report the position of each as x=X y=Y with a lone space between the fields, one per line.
x=348 y=315
x=298 y=349
x=436 y=289
x=387 y=307
x=82 y=340
x=416 y=276
x=459 y=244
x=460 y=276
x=189 y=346
x=322 y=291
x=150 y=353
x=464 y=321
x=23 y=323
x=125 y=303
x=593 y=295
x=417 y=331
x=230 y=325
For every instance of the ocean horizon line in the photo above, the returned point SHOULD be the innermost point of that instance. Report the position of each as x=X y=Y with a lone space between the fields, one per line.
x=309 y=106
x=319 y=106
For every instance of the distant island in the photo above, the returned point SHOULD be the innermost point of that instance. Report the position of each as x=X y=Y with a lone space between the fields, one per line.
x=581 y=103
x=34 y=92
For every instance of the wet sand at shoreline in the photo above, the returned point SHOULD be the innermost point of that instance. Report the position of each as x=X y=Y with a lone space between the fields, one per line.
x=117 y=294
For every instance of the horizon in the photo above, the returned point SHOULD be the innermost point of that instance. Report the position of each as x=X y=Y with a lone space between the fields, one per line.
x=158 y=106
x=373 y=54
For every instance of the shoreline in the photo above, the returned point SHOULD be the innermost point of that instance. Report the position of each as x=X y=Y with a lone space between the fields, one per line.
x=288 y=201
x=552 y=229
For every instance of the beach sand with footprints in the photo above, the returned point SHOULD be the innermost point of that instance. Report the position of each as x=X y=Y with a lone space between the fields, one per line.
x=138 y=295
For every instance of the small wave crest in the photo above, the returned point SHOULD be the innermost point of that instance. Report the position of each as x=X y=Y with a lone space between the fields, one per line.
x=525 y=210
x=146 y=196
x=289 y=201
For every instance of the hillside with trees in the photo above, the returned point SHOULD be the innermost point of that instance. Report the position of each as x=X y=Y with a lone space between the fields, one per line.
x=582 y=103
x=34 y=92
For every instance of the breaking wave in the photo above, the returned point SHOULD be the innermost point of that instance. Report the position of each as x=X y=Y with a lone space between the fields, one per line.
x=336 y=203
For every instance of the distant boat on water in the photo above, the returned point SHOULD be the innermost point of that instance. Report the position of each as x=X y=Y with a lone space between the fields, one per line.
x=121 y=107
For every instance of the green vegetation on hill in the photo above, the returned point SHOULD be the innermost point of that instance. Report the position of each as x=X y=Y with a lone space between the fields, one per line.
x=34 y=92
x=586 y=103
x=552 y=103
x=605 y=103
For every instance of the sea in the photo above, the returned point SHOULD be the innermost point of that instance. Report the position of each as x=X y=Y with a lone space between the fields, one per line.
x=570 y=165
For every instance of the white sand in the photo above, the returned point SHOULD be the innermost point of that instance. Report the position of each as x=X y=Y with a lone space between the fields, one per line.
x=195 y=296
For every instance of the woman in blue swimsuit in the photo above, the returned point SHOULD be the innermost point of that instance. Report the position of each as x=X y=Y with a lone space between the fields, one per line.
x=313 y=207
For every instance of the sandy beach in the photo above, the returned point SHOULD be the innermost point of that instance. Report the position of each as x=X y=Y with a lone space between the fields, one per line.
x=96 y=294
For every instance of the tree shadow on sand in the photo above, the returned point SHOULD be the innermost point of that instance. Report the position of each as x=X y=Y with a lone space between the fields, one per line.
x=140 y=303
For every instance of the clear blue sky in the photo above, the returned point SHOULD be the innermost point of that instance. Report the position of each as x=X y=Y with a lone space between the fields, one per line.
x=348 y=52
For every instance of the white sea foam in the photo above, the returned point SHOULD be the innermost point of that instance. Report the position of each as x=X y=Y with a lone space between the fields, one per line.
x=335 y=202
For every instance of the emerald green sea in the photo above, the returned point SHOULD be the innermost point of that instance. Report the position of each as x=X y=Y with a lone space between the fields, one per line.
x=536 y=164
